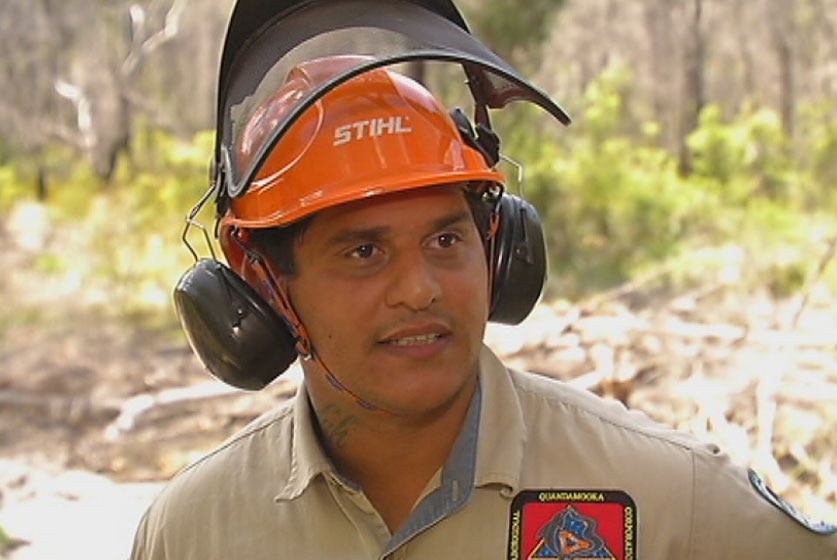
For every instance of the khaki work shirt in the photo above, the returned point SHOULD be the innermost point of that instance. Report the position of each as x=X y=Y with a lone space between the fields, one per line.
x=539 y=470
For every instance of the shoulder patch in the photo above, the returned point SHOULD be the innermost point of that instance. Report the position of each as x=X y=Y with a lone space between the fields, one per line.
x=761 y=487
x=581 y=524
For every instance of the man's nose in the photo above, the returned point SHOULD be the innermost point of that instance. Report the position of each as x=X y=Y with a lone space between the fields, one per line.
x=414 y=283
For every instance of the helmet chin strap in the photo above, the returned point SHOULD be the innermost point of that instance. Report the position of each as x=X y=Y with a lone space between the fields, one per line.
x=277 y=291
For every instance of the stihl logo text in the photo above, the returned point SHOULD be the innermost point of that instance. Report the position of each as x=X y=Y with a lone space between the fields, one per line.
x=370 y=128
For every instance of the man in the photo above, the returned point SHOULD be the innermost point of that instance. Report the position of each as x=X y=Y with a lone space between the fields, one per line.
x=371 y=228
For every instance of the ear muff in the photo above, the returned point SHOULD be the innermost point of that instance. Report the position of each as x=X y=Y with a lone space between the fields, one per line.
x=517 y=253
x=239 y=338
x=517 y=258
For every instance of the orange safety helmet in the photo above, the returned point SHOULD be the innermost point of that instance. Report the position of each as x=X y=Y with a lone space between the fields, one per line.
x=377 y=133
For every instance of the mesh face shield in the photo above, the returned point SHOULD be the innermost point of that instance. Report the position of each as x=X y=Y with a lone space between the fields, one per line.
x=265 y=42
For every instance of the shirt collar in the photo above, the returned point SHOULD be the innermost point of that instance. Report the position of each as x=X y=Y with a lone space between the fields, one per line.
x=500 y=437
x=502 y=432
x=307 y=456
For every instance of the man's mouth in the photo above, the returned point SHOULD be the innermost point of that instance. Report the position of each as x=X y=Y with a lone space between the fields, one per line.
x=417 y=340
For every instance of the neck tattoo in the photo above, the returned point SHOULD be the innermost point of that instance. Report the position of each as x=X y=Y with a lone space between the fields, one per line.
x=336 y=425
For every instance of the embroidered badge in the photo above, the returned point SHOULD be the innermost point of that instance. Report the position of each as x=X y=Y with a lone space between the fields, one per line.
x=768 y=494
x=573 y=525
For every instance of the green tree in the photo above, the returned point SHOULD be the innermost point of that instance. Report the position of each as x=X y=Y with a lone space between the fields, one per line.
x=513 y=30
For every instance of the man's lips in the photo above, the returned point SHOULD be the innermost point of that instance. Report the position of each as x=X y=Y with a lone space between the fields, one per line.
x=416 y=336
x=414 y=340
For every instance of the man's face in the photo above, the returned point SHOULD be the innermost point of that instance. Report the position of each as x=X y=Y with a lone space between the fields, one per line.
x=393 y=293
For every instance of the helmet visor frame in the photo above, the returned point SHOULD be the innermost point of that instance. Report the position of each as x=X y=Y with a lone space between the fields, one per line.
x=380 y=33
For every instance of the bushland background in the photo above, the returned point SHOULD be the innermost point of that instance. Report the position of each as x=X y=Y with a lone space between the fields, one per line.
x=689 y=213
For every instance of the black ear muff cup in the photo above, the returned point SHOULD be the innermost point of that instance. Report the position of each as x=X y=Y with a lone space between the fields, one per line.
x=519 y=260
x=239 y=338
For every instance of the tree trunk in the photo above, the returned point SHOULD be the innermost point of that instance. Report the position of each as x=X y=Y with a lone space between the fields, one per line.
x=417 y=70
x=781 y=35
x=694 y=95
x=659 y=26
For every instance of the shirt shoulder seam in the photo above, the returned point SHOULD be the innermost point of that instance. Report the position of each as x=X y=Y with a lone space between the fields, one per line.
x=259 y=424
x=653 y=430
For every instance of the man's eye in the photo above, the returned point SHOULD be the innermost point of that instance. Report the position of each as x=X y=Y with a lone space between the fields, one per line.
x=363 y=251
x=446 y=240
